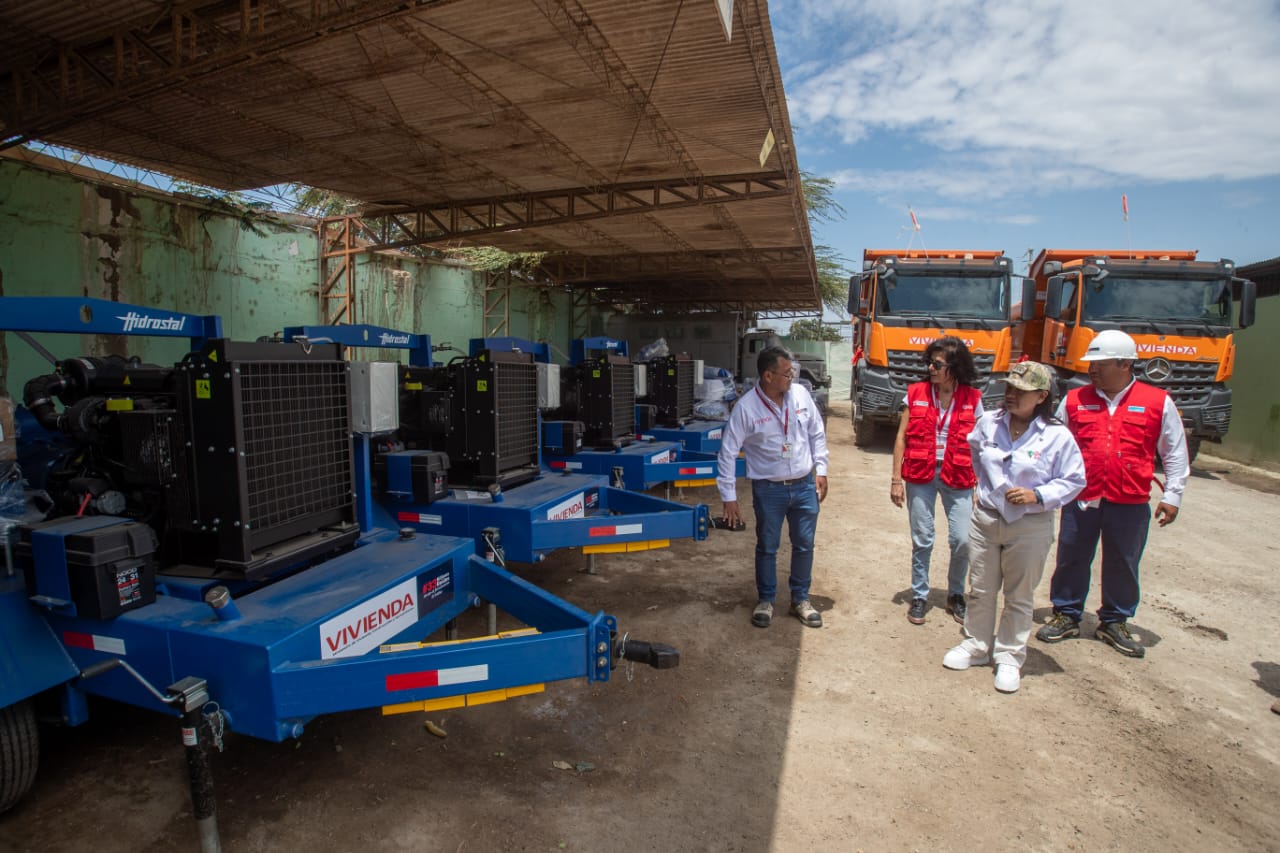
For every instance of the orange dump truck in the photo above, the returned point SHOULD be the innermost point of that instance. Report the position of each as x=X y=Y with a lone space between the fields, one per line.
x=1177 y=309
x=903 y=300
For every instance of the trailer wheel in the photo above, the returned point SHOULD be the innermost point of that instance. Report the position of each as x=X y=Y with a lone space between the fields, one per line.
x=864 y=429
x=19 y=753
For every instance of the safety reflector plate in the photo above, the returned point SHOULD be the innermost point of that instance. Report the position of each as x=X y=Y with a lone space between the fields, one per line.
x=96 y=642
x=438 y=677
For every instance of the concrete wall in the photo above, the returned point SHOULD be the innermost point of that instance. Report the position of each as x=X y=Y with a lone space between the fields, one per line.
x=1254 y=437
x=63 y=235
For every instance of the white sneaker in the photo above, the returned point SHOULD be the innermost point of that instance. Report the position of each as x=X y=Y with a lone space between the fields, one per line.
x=1008 y=678
x=960 y=658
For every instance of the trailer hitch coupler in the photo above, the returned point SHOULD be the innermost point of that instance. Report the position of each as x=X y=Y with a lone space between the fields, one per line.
x=656 y=655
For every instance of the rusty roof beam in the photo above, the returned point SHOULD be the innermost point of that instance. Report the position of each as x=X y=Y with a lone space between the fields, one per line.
x=186 y=43
x=475 y=218
x=570 y=269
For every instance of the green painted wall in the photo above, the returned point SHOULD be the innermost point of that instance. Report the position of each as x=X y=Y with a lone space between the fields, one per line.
x=1254 y=437
x=62 y=235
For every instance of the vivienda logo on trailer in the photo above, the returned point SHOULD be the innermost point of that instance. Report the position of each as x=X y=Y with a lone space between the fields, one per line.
x=133 y=321
x=369 y=623
x=570 y=508
x=387 y=339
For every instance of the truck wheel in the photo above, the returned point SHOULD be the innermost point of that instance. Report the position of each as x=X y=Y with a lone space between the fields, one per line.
x=864 y=429
x=19 y=753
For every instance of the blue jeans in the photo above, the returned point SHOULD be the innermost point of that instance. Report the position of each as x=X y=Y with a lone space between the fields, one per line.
x=958 y=506
x=796 y=502
x=1123 y=531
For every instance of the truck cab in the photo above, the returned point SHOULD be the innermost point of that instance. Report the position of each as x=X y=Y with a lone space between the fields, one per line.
x=904 y=300
x=1179 y=311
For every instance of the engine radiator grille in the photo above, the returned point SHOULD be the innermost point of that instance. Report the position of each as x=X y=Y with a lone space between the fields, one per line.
x=297 y=440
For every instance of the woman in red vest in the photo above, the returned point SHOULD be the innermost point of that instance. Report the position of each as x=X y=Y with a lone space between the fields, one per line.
x=931 y=459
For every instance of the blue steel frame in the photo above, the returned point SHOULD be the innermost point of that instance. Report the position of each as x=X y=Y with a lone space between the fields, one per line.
x=559 y=511
x=541 y=350
x=364 y=335
x=700 y=436
x=580 y=348
x=642 y=465
x=267 y=666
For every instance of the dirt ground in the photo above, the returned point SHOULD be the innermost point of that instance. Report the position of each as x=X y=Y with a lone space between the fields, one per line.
x=852 y=737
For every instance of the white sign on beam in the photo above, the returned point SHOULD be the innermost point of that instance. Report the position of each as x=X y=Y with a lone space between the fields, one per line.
x=725 y=8
x=767 y=148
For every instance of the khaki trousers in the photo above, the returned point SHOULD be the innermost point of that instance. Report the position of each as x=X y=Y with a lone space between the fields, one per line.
x=1006 y=557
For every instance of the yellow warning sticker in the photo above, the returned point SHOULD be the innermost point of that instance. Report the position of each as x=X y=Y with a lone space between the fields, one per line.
x=482 y=384
x=595 y=374
x=203 y=392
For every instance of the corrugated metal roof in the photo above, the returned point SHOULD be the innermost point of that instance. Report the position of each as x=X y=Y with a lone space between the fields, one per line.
x=406 y=103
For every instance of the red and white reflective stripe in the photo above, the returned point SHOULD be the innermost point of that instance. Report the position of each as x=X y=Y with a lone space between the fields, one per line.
x=703 y=470
x=571 y=466
x=95 y=642
x=419 y=518
x=616 y=530
x=438 y=677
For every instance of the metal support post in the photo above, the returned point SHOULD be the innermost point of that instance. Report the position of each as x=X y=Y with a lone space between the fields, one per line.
x=191 y=694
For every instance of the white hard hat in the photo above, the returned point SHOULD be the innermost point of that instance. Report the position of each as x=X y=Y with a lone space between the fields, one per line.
x=1111 y=343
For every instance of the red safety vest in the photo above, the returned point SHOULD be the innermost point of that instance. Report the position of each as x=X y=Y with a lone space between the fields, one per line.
x=1119 y=450
x=920 y=458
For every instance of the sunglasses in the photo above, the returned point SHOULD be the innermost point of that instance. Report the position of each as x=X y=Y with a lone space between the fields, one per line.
x=936 y=364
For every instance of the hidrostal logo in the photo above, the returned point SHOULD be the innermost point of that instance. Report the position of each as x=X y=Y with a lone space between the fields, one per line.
x=133 y=321
x=387 y=339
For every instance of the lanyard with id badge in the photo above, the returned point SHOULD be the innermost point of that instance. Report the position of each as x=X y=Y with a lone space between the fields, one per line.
x=785 y=422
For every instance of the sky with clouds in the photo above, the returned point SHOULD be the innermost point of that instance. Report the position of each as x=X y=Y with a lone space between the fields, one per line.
x=1018 y=126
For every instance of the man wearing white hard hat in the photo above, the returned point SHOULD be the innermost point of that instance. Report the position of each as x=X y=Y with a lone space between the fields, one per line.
x=1120 y=425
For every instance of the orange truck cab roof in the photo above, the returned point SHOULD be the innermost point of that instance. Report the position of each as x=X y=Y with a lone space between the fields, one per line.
x=1068 y=255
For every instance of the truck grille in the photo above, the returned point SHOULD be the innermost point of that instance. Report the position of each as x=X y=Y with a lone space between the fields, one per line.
x=1188 y=385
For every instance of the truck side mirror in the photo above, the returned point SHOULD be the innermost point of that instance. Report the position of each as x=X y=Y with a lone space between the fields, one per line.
x=1028 y=299
x=1052 y=267
x=1053 y=298
x=1248 y=302
x=855 y=289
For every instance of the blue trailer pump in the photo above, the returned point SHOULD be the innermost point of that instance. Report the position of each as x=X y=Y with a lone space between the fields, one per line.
x=204 y=541
x=537 y=515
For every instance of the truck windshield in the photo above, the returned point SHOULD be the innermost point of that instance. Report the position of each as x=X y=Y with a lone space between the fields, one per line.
x=980 y=296
x=1119 y=297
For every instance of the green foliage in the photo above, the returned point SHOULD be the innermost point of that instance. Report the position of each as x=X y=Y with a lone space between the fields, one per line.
x=233 y=204
x=491 y=259
x=320 y=203
x=813 y=330
x=833 y=274
x=819 y=198
x=833 y=279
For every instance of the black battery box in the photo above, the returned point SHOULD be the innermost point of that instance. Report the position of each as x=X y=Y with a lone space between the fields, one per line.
x=646 y=417
x=420 y=476
x=562 y=437
x=110 y=568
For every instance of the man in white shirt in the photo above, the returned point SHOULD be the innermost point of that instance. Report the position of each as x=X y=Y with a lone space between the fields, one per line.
x=778 y=428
